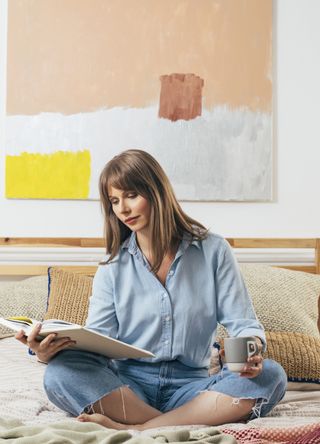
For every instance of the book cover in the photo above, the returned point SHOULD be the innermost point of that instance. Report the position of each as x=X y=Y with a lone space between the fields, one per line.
x=86 y=339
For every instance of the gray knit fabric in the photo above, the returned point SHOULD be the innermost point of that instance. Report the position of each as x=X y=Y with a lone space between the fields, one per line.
x=23 y=298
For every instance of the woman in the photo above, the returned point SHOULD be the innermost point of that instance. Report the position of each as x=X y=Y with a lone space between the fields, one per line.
x=163 y=286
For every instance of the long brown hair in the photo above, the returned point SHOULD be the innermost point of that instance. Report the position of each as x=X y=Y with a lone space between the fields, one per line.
x=136 y=170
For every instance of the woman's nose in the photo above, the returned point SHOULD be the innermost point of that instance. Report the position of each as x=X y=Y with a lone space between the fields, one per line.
x=124 y=207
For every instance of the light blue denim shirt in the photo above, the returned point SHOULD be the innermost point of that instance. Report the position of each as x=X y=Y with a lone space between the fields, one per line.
x=179 y=320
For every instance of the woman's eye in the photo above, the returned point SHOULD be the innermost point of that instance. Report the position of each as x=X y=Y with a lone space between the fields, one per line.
x=113 y=202
x=132 y=195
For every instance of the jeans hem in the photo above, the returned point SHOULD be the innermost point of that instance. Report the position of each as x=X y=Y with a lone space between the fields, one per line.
x=89 y=407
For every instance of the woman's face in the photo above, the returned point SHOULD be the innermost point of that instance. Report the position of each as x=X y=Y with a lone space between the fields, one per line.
x=130 y=208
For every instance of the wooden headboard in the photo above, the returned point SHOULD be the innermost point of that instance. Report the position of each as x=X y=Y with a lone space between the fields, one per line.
x=19 y=267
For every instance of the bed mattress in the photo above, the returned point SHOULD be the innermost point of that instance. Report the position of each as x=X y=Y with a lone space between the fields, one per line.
x=22 y=398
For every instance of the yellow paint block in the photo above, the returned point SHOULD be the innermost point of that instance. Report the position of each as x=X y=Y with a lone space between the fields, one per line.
x=60 y=175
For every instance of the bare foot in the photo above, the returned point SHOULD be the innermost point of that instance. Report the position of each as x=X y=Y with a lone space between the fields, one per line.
x=102 y=420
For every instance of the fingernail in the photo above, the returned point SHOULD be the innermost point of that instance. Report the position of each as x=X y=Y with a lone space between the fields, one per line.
x=39 y=324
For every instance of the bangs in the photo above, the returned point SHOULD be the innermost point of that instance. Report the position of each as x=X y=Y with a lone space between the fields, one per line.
x=125 y=180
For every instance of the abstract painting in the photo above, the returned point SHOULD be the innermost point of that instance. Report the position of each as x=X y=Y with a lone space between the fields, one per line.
x=188 y=81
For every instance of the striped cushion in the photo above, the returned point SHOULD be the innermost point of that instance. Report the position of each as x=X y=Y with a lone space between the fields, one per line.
x=299 y=355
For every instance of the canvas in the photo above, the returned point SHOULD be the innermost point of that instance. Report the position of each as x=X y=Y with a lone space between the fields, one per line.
x=188 y=81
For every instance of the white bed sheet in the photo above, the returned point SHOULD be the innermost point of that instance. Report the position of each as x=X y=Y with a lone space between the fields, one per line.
x=22 y=395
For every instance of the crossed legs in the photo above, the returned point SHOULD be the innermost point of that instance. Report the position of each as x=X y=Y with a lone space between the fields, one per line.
x=71 y=370
x=122 y=409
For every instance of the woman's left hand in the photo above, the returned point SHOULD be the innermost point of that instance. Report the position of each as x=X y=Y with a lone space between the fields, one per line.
x=254 y=364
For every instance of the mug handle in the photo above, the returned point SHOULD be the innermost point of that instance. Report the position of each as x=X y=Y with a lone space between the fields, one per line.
x=252 y=348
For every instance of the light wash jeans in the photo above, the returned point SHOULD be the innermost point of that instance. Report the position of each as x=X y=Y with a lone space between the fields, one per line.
x=74 y=380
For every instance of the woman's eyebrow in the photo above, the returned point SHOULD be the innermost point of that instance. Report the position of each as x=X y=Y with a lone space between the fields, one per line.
x=124 y=192
x=115 y=197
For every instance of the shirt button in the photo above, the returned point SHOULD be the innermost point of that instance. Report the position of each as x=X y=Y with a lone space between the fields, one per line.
x=167 y=318
x=166 y=342
x=171 y=273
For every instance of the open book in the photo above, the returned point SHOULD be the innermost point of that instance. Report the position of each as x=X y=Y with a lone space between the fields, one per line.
x=86 y=339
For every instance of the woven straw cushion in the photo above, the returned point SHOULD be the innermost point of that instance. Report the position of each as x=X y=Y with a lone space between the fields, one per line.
x=298 y=354
x=23 y=298
x=286 y=303
x=68 y=296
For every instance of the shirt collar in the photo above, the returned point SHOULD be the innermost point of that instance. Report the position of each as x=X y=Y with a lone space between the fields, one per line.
x=131 y=243
x=187 y=238
x=185 y=244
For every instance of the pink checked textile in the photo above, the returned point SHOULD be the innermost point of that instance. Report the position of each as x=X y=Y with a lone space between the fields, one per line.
x=307 y=434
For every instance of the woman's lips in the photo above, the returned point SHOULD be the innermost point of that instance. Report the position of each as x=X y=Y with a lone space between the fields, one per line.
x=131 y=220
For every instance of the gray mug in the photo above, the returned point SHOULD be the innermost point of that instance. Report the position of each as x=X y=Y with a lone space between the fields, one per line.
x=238 y=350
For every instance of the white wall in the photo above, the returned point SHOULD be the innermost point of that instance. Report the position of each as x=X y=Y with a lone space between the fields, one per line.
x=295 y=211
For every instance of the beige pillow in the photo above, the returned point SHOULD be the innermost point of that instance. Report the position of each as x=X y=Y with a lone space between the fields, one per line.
x=68 y=296
x=286 y=303
x=23 y=298
x=284 y=300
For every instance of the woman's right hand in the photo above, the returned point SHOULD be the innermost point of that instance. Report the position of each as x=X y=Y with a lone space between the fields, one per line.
x=48 y=347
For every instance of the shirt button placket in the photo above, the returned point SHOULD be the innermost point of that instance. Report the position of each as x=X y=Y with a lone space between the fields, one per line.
x=167 y=325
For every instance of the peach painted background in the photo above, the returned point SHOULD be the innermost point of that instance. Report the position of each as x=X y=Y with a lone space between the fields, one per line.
x=84 y=76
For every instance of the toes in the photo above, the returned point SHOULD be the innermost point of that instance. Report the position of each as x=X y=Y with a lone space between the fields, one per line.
x=84 y=417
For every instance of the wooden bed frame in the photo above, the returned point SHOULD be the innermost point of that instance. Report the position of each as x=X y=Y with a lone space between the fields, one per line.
x=237 y=243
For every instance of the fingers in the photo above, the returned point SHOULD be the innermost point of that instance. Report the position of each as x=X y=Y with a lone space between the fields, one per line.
x=47 y=350
x=43 y=345
x=21 y=336
x=31 y=340
x=256 y=359
x=253 y=368
x=47 y=340
x=251 y=372
x=51 y=344
x=259 y=344
x=56 y=345
x=48 y=346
